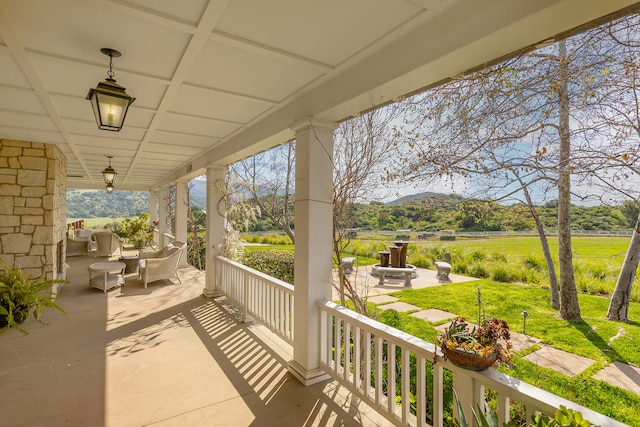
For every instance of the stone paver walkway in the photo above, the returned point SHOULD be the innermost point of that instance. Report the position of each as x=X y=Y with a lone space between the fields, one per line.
x=382 y=299
x=567 y=363
x=434 y=315
x=620 y=374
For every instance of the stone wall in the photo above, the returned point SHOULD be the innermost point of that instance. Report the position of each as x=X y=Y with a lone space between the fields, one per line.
x=33 y=187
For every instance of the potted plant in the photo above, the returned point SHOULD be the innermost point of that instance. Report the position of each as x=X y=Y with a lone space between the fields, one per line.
x=20 y=295
x=477 y=347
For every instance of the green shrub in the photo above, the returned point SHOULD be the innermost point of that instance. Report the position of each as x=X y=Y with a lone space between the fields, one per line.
x=478 y=255
x=479 y=271
x=460 y=267
x=498 y=257
x=533 y=262
x=278 y=264
x=420 y=261
x=501 y=274
x=447 y=238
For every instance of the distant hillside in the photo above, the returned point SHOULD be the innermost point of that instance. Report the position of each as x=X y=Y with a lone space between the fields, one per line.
x=99 y=203
x=429 y=198
x=121 y=204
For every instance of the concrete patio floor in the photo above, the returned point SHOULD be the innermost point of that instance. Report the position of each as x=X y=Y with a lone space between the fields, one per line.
x=163 y=356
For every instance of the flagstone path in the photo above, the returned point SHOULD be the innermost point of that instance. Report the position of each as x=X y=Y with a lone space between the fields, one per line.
x=618 y=374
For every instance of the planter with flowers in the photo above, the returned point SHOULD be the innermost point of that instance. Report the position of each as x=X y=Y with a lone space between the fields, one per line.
x=477 y=347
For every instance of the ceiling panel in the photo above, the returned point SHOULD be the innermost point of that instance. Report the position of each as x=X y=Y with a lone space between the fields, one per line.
x=328 y=31
x=217 y=105
x=12 y=75
x=77 y=30
x=196 y=126
x=188 y=11
x=187 y=140
x=247 y=72
x=20 y=100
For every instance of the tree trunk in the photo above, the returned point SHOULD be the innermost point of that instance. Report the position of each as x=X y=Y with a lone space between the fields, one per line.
x=551 y=268
x=569 y=307
x=619 y=305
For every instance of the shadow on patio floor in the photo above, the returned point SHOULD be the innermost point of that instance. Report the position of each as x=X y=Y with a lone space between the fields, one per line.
x=164 y=355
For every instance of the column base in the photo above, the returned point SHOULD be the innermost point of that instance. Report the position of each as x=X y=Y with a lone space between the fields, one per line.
x=211 y=293
x=307 y=377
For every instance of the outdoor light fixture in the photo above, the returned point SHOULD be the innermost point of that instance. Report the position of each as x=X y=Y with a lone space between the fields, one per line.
x=109 y=175
x=109 y=100
x=109 y=188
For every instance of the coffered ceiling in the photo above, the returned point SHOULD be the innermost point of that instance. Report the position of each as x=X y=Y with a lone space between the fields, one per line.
x=217 y=80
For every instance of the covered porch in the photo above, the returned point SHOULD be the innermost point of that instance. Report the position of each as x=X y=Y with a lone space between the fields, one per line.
x=217 y=81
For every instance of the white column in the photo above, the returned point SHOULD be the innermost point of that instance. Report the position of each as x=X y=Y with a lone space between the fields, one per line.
x=182 y=207
x=313 y=203
x=153 y=213
x=215 y=225
x=163 y=211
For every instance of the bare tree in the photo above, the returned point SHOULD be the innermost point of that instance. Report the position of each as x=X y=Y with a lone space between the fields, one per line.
x=269 y=178
x=516 y=125
x=363 y=150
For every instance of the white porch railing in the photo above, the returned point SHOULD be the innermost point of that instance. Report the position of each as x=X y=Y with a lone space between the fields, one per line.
x=374 y=360
x=367 y=357
x=265 y=298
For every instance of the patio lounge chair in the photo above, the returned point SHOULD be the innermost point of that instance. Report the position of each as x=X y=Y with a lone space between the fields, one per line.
x=162 y=264
x=77 y=246
x=107 y=243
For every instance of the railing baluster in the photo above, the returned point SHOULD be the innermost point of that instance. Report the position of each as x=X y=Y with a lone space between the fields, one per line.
x=338 y=340
x=503 y=409
x=438 y=395
x=378 y=350
x=404 y=388
x=357 y=356
x=391 y=377
x=421 y=403
x=347 y=352
x=367 y=365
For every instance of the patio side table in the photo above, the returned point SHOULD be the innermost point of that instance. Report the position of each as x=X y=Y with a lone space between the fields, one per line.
x=109 y=275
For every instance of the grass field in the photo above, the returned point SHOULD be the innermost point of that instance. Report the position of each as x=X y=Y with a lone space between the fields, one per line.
x=91 y=223
x=597 y=261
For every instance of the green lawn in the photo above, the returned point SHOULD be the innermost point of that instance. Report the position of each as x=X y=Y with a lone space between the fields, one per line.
x=589 y=337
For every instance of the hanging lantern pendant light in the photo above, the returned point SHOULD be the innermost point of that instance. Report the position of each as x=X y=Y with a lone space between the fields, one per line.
x=109 y=100
x=109 y=175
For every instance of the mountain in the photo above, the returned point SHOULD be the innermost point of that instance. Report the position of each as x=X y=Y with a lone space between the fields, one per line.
x=428 y=198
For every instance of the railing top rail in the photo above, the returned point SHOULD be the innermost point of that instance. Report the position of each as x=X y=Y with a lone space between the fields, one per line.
x=256 y=273
x=390 y=334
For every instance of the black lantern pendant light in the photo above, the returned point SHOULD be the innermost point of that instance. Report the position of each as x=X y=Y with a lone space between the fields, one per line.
x=109 y=100
x=109 y=188
x=109 y=175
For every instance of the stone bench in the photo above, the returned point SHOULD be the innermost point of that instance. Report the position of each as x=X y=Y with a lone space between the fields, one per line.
x=444 y=268
x=407 y=274
x=347 y=265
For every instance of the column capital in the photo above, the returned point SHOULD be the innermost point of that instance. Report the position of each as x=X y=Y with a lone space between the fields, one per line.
x=312 y=123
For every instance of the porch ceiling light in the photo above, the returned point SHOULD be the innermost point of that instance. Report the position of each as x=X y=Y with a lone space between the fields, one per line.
x=109 y=100
x=109 y=188
x=109 y=175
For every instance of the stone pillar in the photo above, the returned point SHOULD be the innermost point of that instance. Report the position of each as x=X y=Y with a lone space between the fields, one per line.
x=313 y=260
x=164 y=214
x=215 y=225
x=153 y=214
x=33 y=208
x=182 y=202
